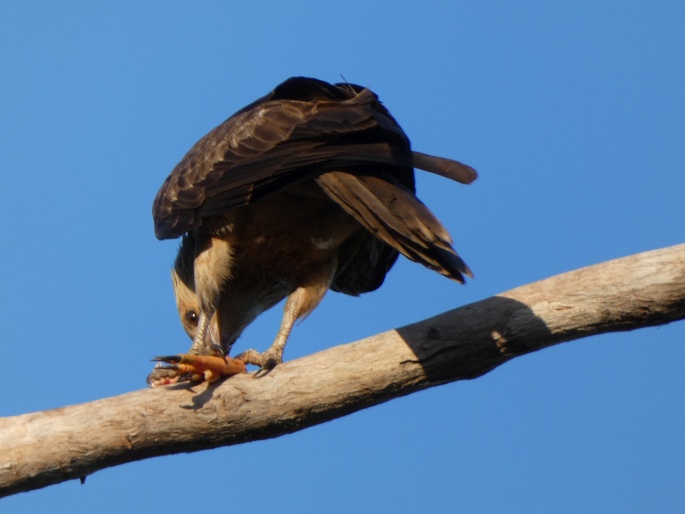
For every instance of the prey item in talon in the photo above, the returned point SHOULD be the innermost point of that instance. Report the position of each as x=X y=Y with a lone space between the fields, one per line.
x=161 y=376
x=194 y=368
x=308 y=189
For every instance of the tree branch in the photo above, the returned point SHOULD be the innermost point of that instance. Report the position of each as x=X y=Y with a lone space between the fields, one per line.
x=44 y=448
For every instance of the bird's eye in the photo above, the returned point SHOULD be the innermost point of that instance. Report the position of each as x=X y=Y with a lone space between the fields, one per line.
x=191 y=317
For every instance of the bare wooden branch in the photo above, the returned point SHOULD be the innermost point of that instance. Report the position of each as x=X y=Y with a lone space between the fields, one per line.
x=48 y=447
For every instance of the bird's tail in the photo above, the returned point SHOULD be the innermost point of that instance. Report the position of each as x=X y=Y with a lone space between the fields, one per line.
x=447 y=168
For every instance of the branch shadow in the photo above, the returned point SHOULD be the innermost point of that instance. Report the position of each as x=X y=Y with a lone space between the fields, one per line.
x=469 y=341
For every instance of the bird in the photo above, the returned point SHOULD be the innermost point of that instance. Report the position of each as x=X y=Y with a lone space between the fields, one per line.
x=309 y=188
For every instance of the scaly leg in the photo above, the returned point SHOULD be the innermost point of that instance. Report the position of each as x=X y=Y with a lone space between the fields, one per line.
x=200 y=344
x=299 y=305
x=212 y=267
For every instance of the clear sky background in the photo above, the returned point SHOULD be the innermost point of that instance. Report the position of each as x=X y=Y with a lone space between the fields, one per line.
x=572 y=112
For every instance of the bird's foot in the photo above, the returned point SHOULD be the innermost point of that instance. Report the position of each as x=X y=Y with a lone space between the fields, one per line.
x=187 y=367
x=266 y=361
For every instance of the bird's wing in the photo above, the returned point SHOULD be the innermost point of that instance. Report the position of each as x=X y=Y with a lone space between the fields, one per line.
x=271 y=145
x=303 y=128
x=393 y=214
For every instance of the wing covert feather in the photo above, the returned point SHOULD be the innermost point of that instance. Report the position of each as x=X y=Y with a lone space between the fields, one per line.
x=272 y=145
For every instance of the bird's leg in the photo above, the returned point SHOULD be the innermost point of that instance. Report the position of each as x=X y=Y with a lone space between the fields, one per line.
x=299 y=305
x=212 y=267
x=200 y=345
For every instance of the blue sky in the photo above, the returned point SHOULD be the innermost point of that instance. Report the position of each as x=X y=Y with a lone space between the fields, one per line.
x=574 y=115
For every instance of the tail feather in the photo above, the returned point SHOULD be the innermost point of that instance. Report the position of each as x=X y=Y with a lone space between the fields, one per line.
x=442 y=166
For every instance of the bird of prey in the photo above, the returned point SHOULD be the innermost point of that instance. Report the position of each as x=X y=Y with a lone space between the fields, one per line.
x=307 y=189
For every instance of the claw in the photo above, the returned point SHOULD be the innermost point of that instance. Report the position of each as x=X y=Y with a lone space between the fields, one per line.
x=215 y=349
x=267 y=367
x=194 y=368
x=266 y=361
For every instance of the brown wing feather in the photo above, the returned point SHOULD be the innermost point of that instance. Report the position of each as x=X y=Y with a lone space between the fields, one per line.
x=270 y=145
x=393 y=214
